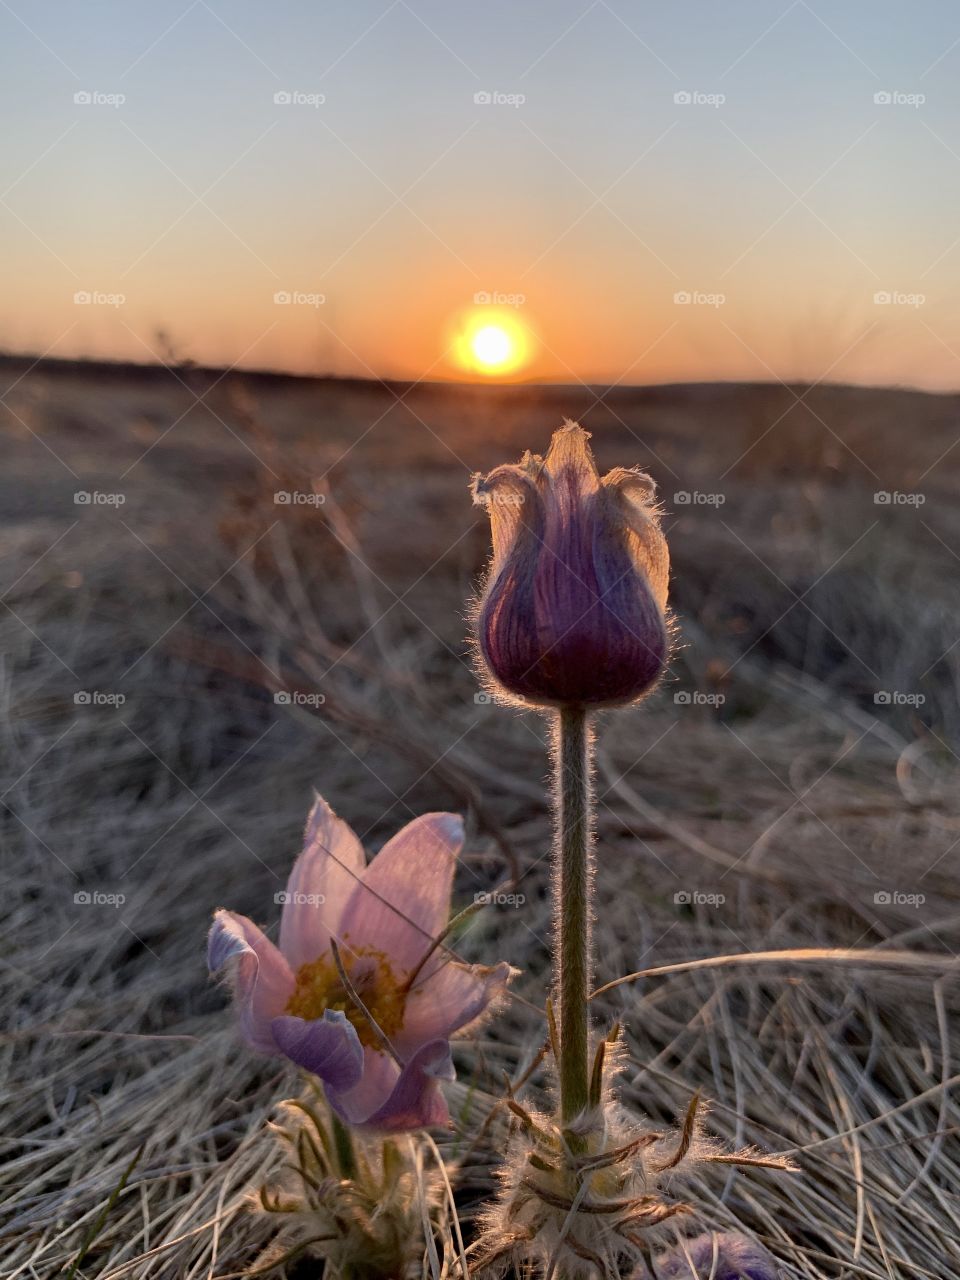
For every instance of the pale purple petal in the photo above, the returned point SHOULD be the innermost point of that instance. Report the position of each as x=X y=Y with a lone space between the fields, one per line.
x=392 y=1100
x=323 y=878
x=633 y=493
x=404 y=900
x=736 y=1257
x=514 y=504
x=327 y=1047
x=380 y=1075
x=570 y=468
x=448 y=999
x=260 y=976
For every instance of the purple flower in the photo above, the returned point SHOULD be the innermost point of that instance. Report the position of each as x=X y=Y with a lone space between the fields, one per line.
x=574 y=608
x=737 y=1258
x=381 y=1063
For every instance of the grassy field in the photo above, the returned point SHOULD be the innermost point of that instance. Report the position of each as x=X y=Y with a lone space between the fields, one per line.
x=791 y=787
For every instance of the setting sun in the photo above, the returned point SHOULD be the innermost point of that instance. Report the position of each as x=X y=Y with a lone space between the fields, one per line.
x=491 y=345
x=490 y=341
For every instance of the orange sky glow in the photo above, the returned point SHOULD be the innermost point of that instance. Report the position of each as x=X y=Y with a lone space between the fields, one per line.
x=725 y=200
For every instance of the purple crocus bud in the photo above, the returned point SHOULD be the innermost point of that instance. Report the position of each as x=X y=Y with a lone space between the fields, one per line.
x=723 y=1255
x=574 y=607
x=358 y=992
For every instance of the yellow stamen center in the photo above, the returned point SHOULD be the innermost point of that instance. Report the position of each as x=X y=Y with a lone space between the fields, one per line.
x=320 y=987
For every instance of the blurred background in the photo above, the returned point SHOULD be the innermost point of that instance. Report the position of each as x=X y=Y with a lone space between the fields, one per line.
x=278 y=282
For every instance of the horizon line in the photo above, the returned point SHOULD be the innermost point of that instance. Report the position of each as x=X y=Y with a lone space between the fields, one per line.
x=92 y=364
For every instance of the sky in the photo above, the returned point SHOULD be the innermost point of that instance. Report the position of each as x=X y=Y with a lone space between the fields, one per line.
x=630 y=192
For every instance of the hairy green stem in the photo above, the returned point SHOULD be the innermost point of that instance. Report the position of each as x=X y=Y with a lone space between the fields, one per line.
x=573 y=888
x=343 y=1144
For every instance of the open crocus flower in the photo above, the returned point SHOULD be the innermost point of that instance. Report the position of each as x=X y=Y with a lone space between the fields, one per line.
x=358 y=991
x=574 y=609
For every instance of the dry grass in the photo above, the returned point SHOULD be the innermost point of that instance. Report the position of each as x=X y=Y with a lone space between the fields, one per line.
x=797 y=800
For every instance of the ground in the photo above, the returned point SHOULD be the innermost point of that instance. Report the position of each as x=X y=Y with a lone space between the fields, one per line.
x=187 y=651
